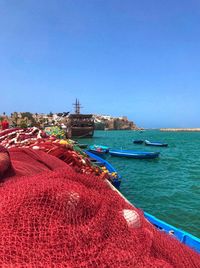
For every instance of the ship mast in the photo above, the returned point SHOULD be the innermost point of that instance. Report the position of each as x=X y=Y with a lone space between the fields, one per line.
x=77 y=107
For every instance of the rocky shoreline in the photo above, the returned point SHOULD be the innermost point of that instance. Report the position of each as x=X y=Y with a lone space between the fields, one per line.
x=106 y=122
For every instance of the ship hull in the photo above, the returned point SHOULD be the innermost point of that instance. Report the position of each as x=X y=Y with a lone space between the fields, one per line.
x=81 y=125
x=82 y=132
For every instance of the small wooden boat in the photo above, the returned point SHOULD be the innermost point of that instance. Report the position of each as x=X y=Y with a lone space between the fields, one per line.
x=134 y=154
x=116 y=180
x=138 y=141
x=160 y=144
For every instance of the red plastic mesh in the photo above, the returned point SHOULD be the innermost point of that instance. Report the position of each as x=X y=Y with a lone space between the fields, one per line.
x=59 y=218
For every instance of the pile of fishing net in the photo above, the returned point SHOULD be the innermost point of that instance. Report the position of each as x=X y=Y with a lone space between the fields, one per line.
x=55 y=131
x=52 y=216
x=65 y=150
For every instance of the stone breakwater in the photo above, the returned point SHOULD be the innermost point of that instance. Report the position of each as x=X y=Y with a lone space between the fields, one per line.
x=180 y=129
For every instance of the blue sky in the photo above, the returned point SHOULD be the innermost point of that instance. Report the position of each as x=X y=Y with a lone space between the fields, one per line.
x=139 y=58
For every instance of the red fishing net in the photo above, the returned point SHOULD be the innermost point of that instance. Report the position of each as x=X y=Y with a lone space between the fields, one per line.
x=51 y=216
x=37 y=139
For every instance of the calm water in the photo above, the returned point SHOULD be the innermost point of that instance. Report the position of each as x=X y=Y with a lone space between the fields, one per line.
x=167 y=187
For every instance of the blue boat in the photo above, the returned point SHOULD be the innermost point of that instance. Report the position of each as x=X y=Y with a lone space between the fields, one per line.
x=160 y=144
x=184 y=237
x=134 y=154
x=102 y=147
x=116 y=180
x=98 y=149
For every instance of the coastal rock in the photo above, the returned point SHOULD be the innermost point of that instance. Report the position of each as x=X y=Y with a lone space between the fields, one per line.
x=106 y=122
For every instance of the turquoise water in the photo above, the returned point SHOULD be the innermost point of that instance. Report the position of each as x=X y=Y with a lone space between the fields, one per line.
x=167 y=187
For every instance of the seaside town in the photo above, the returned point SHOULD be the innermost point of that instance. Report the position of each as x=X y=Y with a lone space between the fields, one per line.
x=41 y=120
x=62 y=120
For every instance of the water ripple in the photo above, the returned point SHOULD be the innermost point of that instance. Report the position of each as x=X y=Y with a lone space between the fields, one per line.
x=168 y=187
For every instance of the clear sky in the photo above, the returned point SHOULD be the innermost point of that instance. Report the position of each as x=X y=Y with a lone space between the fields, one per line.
x=139 y=58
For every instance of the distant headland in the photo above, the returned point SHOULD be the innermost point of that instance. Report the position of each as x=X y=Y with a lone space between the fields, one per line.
x=180 y=129
x=107 y=122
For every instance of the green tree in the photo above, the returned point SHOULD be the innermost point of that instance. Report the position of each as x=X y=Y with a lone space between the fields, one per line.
x=29 y=116
x=23 y=124
x=15 y=118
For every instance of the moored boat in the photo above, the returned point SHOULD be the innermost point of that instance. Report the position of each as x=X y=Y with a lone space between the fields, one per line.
x=98 y=149
x=138 y=141
x=80 y=125
x=134 y=154
x=184 y=237
x=156 y=143
x=116 y=178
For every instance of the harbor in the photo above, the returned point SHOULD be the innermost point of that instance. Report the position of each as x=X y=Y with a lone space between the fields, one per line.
x=164 y=167
x=100 y=134
x=61 y=174
x=166 y=187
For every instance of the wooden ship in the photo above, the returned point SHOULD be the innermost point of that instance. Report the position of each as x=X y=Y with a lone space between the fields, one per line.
x=80 y=125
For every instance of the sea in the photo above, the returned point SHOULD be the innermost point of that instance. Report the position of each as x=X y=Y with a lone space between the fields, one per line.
x=167 y=187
